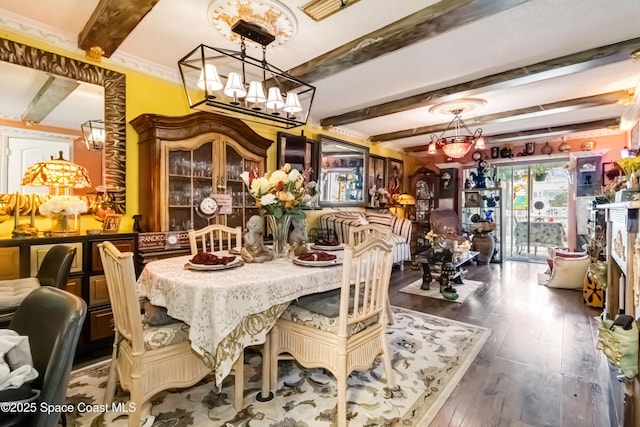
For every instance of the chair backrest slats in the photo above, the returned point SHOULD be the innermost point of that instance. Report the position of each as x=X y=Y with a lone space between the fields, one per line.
x=125 y=303
x=366 y=272
x=360 y=233
x=214 y=238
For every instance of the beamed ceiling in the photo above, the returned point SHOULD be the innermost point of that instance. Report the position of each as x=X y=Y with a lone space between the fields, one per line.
x=547 y=68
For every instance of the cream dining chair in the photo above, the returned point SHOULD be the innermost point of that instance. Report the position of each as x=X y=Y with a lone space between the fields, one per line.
x=343 y=330
x=143 y=360
x=359 y=234
x=215 y=237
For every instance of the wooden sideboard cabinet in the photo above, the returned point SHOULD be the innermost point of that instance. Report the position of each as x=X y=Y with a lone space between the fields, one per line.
x=22 y=257
x=622 y=294
x=185 y=159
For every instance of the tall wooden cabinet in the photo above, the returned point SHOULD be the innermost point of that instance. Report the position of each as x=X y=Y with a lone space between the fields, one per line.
x=424 y=186
x=185 y=159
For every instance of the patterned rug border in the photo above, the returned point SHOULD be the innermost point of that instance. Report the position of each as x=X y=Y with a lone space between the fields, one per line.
x=413 y=288
x=481 y=337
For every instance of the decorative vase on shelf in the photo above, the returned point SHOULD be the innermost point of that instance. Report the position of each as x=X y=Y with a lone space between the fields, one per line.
x=64 y=224
x=488 y=215
x=279 y=227
x=485 y=245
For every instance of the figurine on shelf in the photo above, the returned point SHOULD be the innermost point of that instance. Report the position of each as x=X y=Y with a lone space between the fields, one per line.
x=373 y=193
x=491 y=200
x=254 y=249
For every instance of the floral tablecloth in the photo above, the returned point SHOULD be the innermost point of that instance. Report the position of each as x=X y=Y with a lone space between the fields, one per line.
x=548 y=234
x=228 y=310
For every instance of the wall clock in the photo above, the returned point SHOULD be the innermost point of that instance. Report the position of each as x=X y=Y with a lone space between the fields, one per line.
x=477 y=155
x=207 y=208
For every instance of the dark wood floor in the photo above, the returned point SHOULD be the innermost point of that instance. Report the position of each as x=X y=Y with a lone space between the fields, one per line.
x=540 y=366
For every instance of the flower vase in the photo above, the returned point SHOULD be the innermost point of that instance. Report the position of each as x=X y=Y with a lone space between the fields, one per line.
x=280 y=229
x=64 y=224
x=483 y=243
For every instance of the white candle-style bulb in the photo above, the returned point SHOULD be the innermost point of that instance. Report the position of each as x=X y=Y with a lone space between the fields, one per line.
x=209 y=78
x=256 y=93
x=274 y=100
x=293 y=103
x=235 y=88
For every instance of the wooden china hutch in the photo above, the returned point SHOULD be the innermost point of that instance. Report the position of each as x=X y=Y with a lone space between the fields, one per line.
x=185 y=159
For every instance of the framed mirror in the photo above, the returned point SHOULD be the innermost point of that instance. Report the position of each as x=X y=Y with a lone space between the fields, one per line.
x=342 y=177
x=113 y=84
x=300 y=152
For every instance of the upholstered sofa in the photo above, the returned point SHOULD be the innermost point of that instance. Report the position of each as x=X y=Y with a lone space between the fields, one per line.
x=341 y=221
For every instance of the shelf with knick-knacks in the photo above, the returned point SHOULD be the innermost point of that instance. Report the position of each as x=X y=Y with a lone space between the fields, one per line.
x=482 y=216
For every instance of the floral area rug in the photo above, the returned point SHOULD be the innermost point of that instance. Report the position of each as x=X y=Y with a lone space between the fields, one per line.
x=430 y=356
x=464 y=290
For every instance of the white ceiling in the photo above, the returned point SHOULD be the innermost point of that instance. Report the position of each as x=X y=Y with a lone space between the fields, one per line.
x=536 y=31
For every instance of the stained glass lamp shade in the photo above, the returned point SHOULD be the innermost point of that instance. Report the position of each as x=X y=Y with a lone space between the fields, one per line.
x=56 y=173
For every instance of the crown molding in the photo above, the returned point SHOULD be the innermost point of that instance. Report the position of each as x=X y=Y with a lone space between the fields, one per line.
x=67 y=41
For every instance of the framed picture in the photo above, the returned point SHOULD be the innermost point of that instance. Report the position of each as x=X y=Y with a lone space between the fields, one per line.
x=472 y=199
x=395 y=176
x=300 y=152
x=111 y=224
x=377 y=171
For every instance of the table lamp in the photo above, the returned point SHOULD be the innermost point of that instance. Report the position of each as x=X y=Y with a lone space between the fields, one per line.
x=54 y=173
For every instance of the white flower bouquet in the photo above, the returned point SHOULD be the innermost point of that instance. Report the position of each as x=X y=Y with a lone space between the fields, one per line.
x=281 y=192
x=65 y=205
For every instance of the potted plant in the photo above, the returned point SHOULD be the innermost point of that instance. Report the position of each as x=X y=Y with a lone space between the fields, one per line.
x=539 y=172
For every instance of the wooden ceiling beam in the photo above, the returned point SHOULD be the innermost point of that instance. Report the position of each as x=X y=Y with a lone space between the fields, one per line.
x=51 y=94
x=556 y=67
x=539 y=133
x=429 y=22
x=111 y=22
x=518 y=114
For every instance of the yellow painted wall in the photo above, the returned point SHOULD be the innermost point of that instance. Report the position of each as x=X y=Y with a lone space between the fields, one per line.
x=148 y=94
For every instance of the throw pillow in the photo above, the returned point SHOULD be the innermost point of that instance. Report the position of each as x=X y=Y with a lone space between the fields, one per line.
x=156 y=315
x=564 y=254
x=569 y=273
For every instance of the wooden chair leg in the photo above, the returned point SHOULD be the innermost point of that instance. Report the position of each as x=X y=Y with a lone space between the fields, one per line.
x=390 y=320
x=238 y=393
x=110 y=389
x=386 y=361
x=341 y=415
x=135 y=397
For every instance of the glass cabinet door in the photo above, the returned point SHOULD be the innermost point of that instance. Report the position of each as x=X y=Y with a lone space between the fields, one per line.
x=190 y=179
x=243 y=205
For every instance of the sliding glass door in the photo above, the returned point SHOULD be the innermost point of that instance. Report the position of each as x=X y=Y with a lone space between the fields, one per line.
x=536 y=213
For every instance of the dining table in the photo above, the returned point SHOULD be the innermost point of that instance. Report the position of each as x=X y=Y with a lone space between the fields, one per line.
x=229 y=309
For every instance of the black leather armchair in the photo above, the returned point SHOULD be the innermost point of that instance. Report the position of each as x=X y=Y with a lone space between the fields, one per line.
x=53 y=271
x=52 y=319
x=55 y=267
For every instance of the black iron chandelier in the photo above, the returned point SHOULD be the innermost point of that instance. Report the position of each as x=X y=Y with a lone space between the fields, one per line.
x=234 y=83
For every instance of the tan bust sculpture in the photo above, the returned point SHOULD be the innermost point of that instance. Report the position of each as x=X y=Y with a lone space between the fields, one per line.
x=253 y=248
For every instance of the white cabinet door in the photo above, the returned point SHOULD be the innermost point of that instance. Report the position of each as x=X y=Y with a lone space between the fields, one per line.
x=24 y=152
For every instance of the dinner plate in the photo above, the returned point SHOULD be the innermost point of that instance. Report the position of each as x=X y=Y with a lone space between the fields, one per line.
x=328 y=248
x=213 y=267
x=327 y=263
